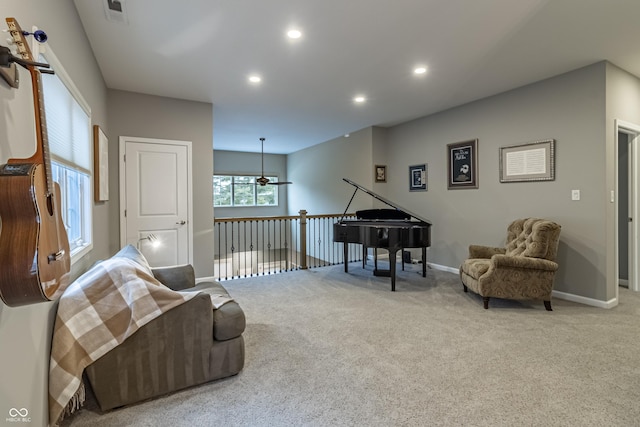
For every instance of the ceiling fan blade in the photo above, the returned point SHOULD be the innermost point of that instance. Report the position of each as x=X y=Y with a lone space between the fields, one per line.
x=280 y=183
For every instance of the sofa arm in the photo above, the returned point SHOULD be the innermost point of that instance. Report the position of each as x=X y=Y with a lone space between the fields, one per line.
x=177 y=277
x=486 y=252
x=502 y=261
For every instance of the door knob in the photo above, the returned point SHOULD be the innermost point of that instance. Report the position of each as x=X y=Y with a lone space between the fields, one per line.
x=181 y=222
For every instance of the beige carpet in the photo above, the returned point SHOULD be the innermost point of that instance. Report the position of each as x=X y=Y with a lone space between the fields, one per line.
x=325 y=348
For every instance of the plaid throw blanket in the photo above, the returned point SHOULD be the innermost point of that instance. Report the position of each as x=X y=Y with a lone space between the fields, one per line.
x=96 y=313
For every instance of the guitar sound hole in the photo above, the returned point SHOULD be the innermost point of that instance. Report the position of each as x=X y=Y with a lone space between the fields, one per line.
x=50 y=204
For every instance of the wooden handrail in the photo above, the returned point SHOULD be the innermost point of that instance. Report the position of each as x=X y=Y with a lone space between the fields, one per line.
x=275 y=218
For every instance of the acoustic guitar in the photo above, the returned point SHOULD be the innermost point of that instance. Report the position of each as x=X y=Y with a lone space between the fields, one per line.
x=34 y=248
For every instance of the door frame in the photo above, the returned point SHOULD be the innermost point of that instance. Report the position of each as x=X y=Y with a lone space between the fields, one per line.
x=633 y=132
x=123 y=187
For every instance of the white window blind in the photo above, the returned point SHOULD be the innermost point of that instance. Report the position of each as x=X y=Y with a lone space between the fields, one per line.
x=68 y=125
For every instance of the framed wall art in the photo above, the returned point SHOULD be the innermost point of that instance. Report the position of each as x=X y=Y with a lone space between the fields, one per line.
x=380 y=173
x=418 y=178
x=100 y=165
x=462 y=165
x=532 y=161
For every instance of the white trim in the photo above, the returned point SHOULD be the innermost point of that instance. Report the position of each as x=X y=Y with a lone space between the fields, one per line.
x=586 y=301
x=444 y=268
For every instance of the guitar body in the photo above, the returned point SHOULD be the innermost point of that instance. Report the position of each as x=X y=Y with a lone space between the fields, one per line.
x=34 y=248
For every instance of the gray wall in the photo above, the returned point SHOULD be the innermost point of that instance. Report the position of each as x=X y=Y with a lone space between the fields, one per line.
x=238 y=163
x=133 y=114
x=568 y=108
x=317 y=172
x=25 y=332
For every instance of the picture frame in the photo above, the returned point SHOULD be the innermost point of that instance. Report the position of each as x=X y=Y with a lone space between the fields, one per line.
x=462 y=165
x=380 y=173
x=418 y=177
x=531 y=161
x=100 y=165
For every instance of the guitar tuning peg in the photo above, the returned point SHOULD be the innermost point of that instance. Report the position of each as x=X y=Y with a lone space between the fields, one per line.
x=10 y=41
x=39 y=35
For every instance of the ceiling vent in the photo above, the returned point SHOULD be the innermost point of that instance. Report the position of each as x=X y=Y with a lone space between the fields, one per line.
x=115 y=11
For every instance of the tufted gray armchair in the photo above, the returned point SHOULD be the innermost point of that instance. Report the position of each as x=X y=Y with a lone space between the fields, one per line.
x=523 y=270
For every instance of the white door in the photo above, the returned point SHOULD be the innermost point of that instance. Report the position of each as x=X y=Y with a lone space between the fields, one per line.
x=155 y=199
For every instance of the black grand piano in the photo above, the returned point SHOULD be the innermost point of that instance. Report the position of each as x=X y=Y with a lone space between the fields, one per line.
x=391 y=229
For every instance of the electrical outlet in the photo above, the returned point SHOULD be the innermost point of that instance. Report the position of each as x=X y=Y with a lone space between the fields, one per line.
x=575 y=194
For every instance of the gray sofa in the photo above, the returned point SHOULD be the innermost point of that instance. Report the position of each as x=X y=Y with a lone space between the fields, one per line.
x=188 y=345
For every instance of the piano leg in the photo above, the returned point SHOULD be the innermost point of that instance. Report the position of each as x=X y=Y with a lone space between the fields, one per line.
x=375 y=259
x=346 y=257
x=392 y=269
x=424 y=262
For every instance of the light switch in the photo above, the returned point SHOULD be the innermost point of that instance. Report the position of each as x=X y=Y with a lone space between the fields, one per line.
x=575 y=194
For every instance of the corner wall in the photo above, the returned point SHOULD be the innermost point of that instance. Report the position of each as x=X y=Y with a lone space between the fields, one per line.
x=317 y=172
x=622 y=103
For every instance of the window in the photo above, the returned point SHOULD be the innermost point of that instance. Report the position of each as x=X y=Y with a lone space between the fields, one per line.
x=241 y=190
x=68 y=120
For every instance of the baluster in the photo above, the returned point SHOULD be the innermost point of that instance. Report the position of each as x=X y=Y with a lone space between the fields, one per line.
x=303 y=239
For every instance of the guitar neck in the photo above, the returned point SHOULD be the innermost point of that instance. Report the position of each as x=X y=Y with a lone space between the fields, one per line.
x=42 y=150
x=41 y=156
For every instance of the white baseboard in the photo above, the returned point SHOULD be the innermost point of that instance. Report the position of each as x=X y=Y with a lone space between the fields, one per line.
x=584 y=300
x=444 y=268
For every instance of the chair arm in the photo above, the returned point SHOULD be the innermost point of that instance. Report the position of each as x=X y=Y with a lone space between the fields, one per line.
x=177 y=277
x=478 y=251
x=501 y=261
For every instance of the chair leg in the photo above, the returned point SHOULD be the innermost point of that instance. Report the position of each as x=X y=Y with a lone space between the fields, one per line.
x=547 y=305
x=465 y=287
x=486 y=302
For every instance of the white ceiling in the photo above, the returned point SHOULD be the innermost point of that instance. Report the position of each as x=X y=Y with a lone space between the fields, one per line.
x=204 y=50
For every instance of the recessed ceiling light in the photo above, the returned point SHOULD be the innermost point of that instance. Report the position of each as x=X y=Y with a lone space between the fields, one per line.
x=420 y=70
x=254 y=78
x=294 y=34
x=359 y=99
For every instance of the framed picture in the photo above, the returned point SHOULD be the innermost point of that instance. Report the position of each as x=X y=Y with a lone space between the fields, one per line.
x=462 y=166
x=380 y=172
x=418 y=178
x=532 y=161
x=100 y=165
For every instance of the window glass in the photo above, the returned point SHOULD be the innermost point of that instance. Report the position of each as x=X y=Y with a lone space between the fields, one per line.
x=244 y=190
x=241 y=190
x=222 y=190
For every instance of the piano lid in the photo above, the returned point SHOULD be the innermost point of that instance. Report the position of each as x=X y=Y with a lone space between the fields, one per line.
x=382 y=199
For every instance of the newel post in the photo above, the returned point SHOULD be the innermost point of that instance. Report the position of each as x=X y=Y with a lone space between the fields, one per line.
x=303 y=239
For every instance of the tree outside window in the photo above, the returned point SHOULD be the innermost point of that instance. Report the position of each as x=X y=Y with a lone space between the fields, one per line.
x=241 y=190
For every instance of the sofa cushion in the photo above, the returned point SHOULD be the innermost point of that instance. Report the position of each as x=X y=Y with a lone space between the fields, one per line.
x=476 y=267
x=228 y=320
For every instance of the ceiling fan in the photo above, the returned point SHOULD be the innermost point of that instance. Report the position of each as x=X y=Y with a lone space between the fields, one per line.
x=262 y=181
